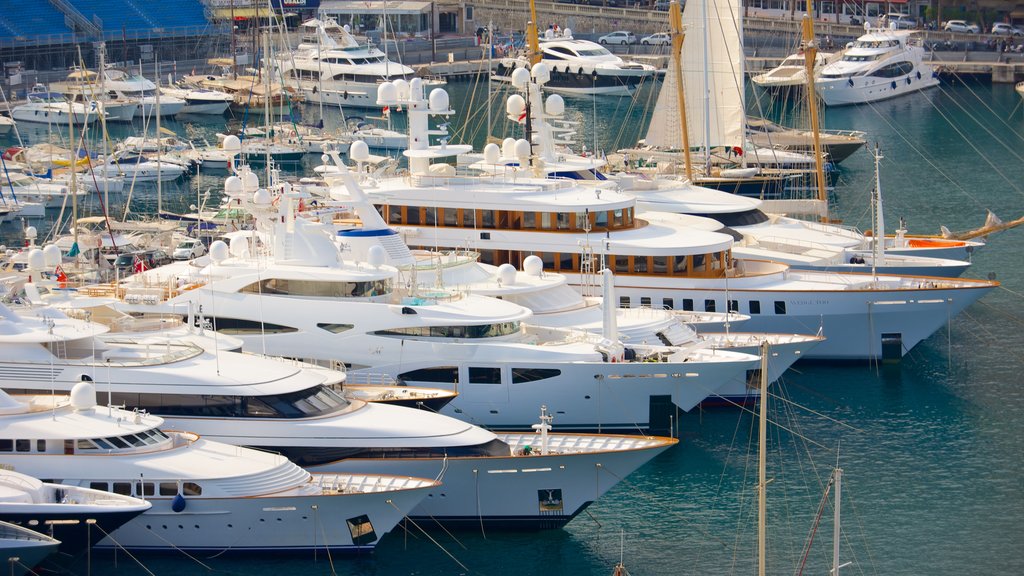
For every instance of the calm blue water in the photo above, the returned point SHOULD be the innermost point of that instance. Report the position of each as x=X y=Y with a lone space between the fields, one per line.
x=931 y=449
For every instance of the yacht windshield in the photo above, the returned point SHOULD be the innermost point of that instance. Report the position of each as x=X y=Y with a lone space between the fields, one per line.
x=592 y=52
x=312 y=402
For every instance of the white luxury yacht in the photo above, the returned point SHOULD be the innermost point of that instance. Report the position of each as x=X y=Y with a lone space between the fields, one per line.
x=332 y=67
x=880 y=64
x=581 y=67
x=657 y=259
x=554 y=304
x=131 y=86
x=85 y=87
x=199 y=100
x=293 y=409
x=47 y=107
x=77 y=516
x=205 y=495
x=791 y=72
x=285 y=290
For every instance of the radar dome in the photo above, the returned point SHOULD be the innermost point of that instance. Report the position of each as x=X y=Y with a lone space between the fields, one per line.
x=492 y=154
x=376 y=256
x=507 y=274
x=520 y=78
x=438 y=100
x=533 y=265
x=250 y=181
x=232 y=144
x=567 y=32
x=522 y=148
x=359 y=151
x=239 y=246
x=219 y=251
x=83 y=396
x=36 y=260
x=233 y=186
x=514 y=106
x=403 y=89
x=31 y=233
x=554 y=105
x=415 y=89
x=52 y=255
x=508 y=148
x=541 y=73
x=387 y=93
x=262 y=197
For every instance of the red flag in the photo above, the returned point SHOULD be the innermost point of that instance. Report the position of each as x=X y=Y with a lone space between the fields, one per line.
x=62 y=278
x=386 y=112
x=522 y=116
x=140 y=265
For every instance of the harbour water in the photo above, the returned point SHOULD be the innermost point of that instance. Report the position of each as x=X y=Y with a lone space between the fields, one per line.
x=931 y=448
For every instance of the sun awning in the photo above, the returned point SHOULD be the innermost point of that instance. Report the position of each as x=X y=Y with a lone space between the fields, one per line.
x=228 y=13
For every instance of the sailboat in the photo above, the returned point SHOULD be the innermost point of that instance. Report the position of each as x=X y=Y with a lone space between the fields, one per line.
x=708 y=60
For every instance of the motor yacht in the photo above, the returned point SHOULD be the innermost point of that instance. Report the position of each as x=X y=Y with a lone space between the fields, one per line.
x=130 y=86
x=6 y=124
x=77 y=516
x=792 y=71
x=880 y=64
x=657 y=258
x=135 y=167
x=200 y=100
x=284 y=289
x=331 y=67
x=47 y=107
x=84 y=86
x=205 y=495
x=837 y=145
x=296 y=409
x=581 y=67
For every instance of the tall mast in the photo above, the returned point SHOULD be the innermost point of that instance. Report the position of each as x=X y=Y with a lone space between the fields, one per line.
x=810 y=46
x=490 y=72
x=234 y=50
x=159 y=187
x=267 y=100
x=103 y=126
x=74 y=172
x=838 y=475
x=675 y=20
x=762 y=437
x=531 y=35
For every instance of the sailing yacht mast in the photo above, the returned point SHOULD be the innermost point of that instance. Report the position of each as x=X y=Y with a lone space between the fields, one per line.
x=159 y=186
x=532 y=43
x=810 y=46
x=675 y=20
x=762 y=436
x=837 y=475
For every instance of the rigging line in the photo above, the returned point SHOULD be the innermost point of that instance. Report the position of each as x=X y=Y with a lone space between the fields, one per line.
x=816 y=413
x=429 y=537
x=125 y=550
x=1011 y=130
x=954 y=99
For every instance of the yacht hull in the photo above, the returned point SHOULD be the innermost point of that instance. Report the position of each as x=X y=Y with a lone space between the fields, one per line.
x=517 y=492
x=864 y=89
x=859 y=324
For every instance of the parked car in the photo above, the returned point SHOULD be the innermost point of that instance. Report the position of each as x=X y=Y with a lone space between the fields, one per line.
x=1004 y=29
x=188 y=249
x=903 y=21
x=129 y=262
x=618 y=37
x=961 y=26
x=659 y=39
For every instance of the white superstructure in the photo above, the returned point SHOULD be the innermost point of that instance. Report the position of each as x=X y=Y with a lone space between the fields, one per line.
x=880 y=64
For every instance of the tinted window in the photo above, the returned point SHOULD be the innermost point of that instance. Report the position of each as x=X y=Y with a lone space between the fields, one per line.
x=479 y=375
x=521 y=375
x=442 y=374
